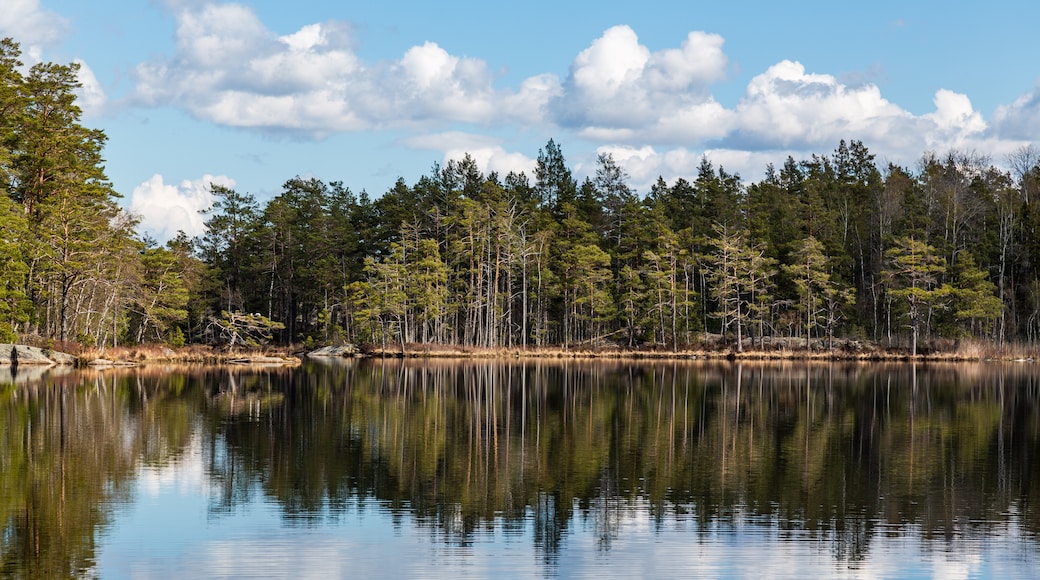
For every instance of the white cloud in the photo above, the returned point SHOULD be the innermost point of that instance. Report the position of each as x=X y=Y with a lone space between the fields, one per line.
x=1020 y=120
x=90 y=96
x=486 y=151
x=223 y=35
x=645 y=164
x=786 y=107
x=619 y=89
x=954 y=124
x=29 y=24
x=429 y=83
x=496 y=159
x=230 y=69
x=166 y=209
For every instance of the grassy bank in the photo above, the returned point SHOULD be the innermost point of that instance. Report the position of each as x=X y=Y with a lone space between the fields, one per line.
x=192 y=354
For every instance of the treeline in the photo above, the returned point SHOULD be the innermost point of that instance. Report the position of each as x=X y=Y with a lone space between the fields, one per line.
x=827 y=246
x=834 y=245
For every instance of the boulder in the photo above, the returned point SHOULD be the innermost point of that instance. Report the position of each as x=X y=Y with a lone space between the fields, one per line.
x=20 y=354
x=334 y=351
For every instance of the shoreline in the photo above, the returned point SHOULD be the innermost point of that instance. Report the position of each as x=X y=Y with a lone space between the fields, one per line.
x=685 y=354
x=775 y=350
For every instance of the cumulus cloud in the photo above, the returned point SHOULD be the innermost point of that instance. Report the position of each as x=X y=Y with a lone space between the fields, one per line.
x=486 y=151
x=90 y=96
x=955 y=123
x=787 y=107
x=619 y=90
x=32 y=26
x=165 y=209
x=621 y=93
x=645 y=164
x=496 y=159
x=656 y=107
x=1020 y=119
x=230 y=69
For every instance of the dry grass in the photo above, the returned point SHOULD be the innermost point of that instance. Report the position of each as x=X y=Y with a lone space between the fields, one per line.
x=191 y=354
x=988 y=350
x=772 y=350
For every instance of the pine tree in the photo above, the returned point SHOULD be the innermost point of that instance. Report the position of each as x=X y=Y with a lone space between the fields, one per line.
x=913 y=272
x=427 y=288
x=227 y=245
x=974 y=302
x=12 y=110
x=162 y=299
x=741 y=275
x=15 y=306
x=820 y=296
x=59 y=179
x=553 y=180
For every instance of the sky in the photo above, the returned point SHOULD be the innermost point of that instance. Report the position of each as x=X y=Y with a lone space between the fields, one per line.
x=254 y=93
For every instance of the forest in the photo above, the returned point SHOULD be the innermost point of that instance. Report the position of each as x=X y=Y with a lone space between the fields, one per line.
x=836 y=245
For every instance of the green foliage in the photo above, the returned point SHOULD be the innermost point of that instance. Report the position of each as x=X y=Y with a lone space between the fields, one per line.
x=69 y=250
x=820 y=246
x=973 y=300
x=228 y=245
x=177 y=339
x=163 y=297
x=15 y=306
x=829 y=244
x=742 y=276
x=912 y=275
x=554 y=182
x=821 y=298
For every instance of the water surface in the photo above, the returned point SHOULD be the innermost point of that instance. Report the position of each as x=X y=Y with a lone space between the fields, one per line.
x=538 y=469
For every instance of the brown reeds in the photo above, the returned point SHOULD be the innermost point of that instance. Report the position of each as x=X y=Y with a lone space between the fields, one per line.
x=766 y=350
x=191 y=354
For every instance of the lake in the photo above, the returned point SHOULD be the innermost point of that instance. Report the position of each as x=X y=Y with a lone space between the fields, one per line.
x=545 y=468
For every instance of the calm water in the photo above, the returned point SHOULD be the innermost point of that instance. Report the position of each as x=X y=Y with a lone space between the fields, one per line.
x=433 y=470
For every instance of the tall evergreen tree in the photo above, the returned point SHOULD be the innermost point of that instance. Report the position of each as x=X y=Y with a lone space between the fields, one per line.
x=553 y=180
x=913 y=274
x=228 y=244
x=15 y=306
x=59 y=179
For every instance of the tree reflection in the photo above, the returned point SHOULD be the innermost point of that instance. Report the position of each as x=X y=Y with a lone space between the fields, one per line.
x=837 y=454
x=68 y=451
x=825 y=452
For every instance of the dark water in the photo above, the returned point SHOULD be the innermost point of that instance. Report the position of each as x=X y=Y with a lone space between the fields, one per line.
x=476 y=469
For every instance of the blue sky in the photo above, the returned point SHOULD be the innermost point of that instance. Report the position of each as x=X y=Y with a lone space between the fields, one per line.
x=251 y=94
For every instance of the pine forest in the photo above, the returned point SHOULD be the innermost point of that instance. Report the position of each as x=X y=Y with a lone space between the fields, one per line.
x=836 y=246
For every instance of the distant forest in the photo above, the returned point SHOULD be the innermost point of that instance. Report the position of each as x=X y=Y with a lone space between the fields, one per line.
x=831 y=246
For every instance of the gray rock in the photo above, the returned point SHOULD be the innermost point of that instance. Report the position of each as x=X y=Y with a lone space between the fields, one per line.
x=30 y=355
x=334 y=351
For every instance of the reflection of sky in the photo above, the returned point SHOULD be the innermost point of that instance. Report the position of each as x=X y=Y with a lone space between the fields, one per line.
x=169 y=531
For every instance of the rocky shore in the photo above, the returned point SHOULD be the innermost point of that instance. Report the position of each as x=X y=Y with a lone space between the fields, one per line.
x=20 y=354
